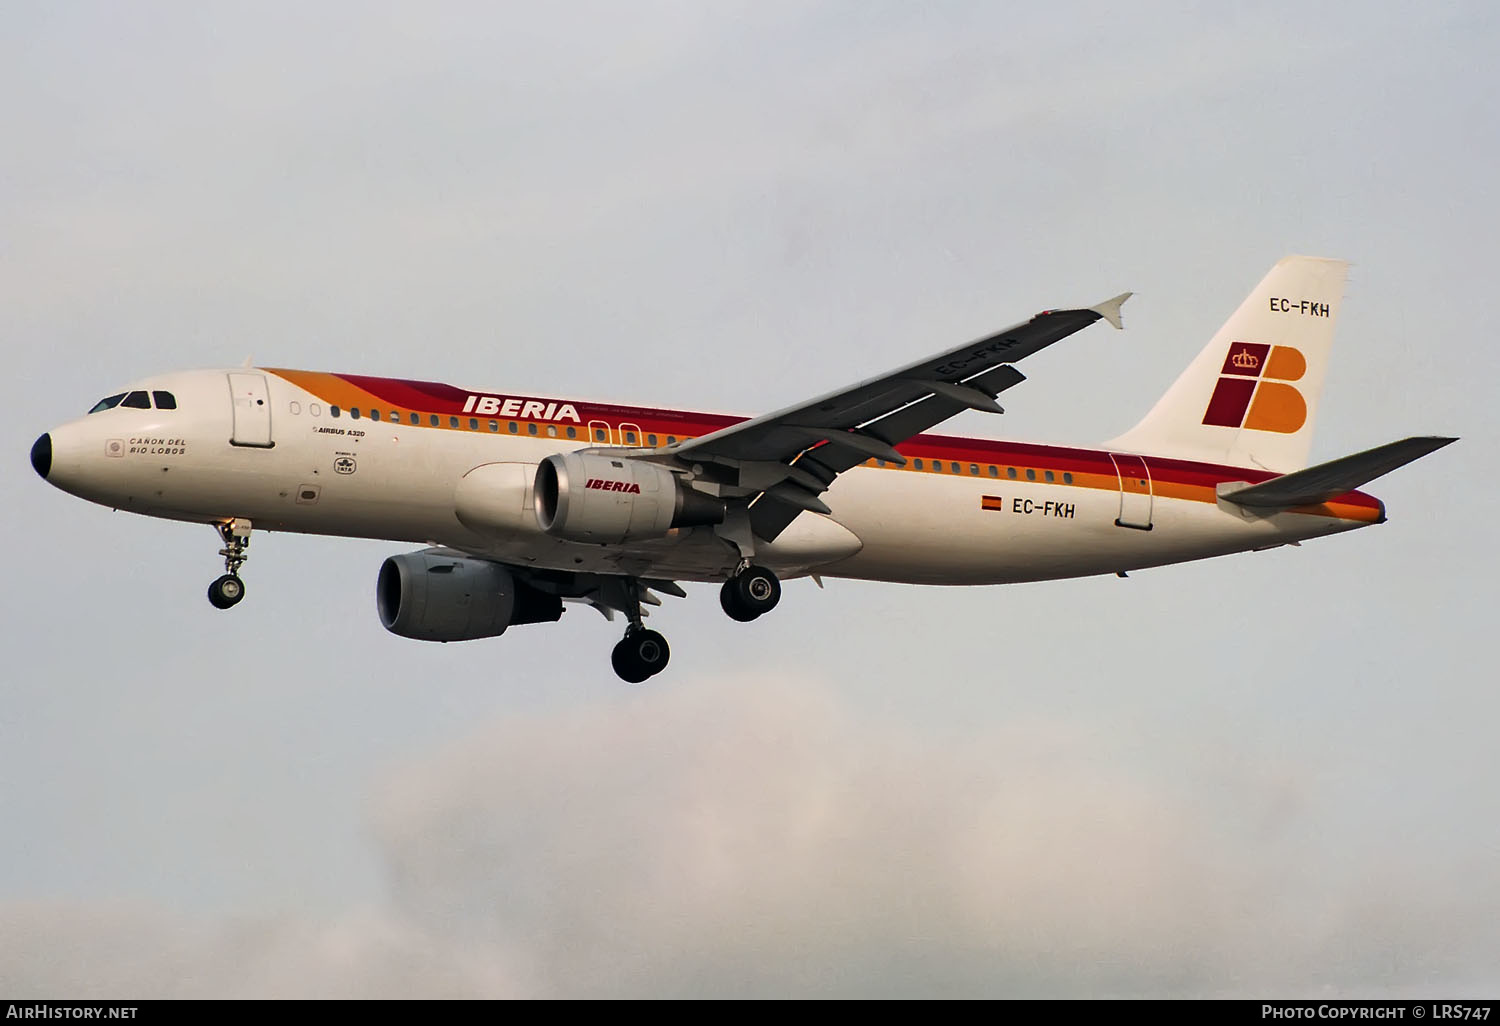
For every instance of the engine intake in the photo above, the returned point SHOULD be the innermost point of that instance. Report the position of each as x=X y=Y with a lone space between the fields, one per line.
x=435 y=595
x=607 y=499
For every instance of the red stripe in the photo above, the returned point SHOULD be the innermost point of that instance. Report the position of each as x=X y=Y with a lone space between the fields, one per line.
x=431 y=397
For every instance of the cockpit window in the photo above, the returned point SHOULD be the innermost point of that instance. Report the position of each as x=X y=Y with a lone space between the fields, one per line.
x=108 y=404
x=137 y=401
x=164 y=400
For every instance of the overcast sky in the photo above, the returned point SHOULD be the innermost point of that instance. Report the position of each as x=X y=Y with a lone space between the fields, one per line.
x=1262 y=775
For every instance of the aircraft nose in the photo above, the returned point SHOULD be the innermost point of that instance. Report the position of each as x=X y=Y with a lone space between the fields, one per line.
x=41 y=455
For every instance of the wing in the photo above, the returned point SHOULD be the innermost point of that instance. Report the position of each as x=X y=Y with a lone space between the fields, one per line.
x=782 y=461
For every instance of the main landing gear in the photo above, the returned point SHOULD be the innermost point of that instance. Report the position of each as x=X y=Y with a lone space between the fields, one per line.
x=752 y=592
x=641 y=653
x=229 y=589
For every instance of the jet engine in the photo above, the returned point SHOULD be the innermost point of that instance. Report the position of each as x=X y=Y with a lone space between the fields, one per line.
x=607 y=499
x=437 y=595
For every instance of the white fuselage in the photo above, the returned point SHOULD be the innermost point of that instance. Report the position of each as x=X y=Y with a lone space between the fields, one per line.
x=208 y=460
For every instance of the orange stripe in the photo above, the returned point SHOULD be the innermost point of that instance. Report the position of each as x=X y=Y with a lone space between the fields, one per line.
x=1341 y=511
x=331 y=388
x=335 y=390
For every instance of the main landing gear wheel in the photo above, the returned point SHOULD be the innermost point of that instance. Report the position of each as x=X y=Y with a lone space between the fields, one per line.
x=752 y=592
x=226 y=591
x=640 y=654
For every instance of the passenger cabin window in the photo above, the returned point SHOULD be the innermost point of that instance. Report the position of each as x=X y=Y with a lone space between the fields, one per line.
x=164 y=400
x=137 y=401
x=494 y=427
x=572 y=432
x=453 y=422
x=1049 y=477
x=1010 y=472
x=416 y=418
x=1030 y=475
x=531 y=429
x=333 y=411
x=354 y=412
x=395 y=416
x=994 y=470
x=473 y=424
x=513 y=427
x=108 y=404
x=599 y=434
x=917 y=464
x=551 y=430
x=1067 y=479
x=435 y=420
x=374 y=414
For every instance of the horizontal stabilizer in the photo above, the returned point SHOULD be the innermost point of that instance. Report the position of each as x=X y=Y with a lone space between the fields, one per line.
x=1328 y=480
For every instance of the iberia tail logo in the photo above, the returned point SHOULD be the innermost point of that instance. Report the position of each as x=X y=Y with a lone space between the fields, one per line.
x=1253 y=392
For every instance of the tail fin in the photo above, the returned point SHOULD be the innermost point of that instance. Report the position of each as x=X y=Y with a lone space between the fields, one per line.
x=1250 y=397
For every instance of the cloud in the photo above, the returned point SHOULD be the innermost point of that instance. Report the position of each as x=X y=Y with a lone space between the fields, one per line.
x=756 y=838
x=127 y=950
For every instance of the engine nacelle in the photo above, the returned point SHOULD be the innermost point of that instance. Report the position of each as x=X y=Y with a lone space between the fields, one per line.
x=435 y=595
x=608 y=499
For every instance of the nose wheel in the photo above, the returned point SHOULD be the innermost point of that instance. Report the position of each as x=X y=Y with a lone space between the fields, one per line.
x=751 y=593
x=228 y=589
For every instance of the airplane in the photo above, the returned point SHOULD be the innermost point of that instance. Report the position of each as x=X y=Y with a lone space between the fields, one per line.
x=524 y=503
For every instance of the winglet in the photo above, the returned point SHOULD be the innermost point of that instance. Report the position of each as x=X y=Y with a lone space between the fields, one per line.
x=1110 y=309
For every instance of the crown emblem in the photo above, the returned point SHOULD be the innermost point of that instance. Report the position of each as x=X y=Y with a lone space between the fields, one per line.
x=1245 y=360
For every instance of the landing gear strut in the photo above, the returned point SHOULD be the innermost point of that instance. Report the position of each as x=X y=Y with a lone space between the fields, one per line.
x=641 y=653
x=752 y=592
x=229 y=589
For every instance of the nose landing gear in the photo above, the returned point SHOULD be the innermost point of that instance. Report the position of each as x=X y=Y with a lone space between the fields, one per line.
x=229 y=589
